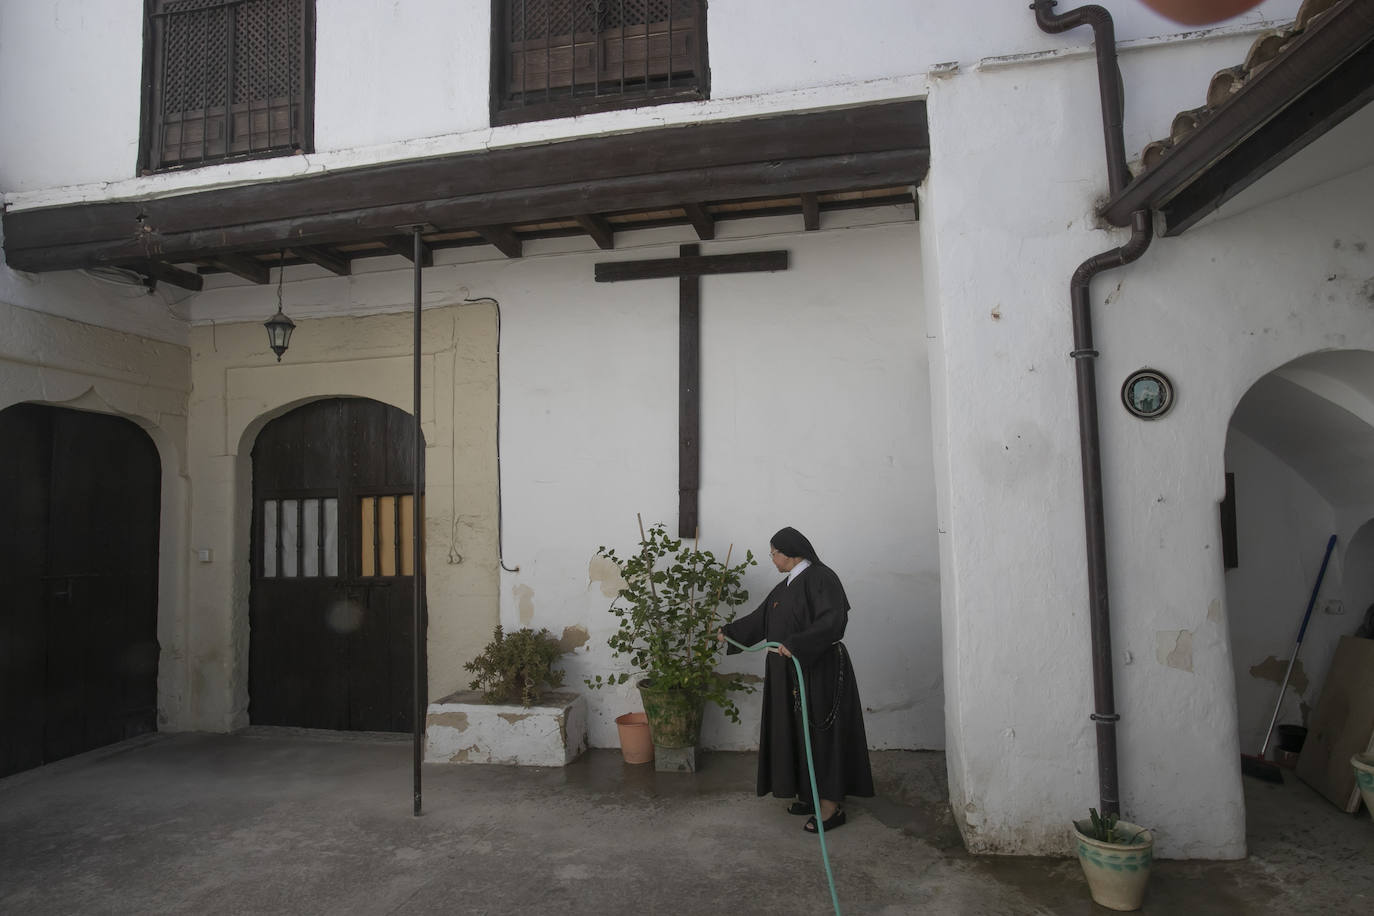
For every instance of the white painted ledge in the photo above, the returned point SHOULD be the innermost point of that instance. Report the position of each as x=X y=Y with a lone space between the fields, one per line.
x=464 y=728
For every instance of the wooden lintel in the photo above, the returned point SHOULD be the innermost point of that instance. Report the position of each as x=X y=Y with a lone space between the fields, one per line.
x=404 y=245
x=811 y=212
x=598 y=228
x=321 y=258
x=158 y=270
x=843 y=149
x=692 y=266
x=702 y=222
x=506 y=241
x=250 y=269
x=631 y=192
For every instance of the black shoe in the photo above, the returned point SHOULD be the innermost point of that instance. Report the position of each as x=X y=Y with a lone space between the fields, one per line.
x=801 y=807
x=835 y=820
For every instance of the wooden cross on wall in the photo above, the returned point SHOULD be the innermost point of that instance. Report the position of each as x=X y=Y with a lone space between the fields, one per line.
x=689 y=267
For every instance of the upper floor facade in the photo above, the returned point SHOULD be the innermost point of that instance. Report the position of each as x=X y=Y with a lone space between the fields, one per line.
x=116 y=99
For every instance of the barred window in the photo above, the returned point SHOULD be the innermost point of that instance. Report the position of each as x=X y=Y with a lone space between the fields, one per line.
x=553 y=58
x=388 y=535
x=227 y=79
x=300 y=538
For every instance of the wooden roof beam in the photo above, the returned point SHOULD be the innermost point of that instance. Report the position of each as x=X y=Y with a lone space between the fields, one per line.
x=404 y=245
x=660 y=191
x=811 y=211
x=506 y=241
x=598 y=228
x=320 y=257
x=250 y=269
x=702 y=222
x=159 y=270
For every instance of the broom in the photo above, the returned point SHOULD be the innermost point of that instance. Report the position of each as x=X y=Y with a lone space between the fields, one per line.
x=1258 y=766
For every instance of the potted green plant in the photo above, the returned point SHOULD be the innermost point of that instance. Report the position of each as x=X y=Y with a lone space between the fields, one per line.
x=517 y=667
x=1116 y=856
x=674 y=599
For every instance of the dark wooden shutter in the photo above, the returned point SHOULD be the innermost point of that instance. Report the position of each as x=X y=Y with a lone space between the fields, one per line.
x=229 y=79
x=586 y=54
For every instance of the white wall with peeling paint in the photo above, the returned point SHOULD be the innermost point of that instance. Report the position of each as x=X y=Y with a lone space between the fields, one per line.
x=815 y=413
x=901 y=393
x=1215 y=310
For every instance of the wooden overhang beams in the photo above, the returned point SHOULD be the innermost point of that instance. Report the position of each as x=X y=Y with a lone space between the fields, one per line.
x=799 y=163
x=1316 y=80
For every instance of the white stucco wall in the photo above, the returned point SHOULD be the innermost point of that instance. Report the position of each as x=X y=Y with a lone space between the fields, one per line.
x=428 y=68
x=814 y=414
x=1215 y=310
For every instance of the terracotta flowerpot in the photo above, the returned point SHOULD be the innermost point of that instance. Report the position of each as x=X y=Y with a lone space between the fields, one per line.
x=674 y=715
x=636 y=744
x=1364 y=778
x=1116 y=872
x=1200 y=12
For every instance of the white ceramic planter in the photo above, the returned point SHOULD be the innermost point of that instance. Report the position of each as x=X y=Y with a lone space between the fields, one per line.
x=464 y=728
x=1364 y=778
x=1116 y=872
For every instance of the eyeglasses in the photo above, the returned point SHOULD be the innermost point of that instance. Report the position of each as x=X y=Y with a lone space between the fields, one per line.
x=774 y=552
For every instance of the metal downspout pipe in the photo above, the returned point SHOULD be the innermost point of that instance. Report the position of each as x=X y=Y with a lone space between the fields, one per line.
x=1085 y=370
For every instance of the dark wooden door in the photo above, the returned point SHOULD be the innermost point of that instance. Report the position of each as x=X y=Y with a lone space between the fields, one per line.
x=331 y=609
x=80 y=498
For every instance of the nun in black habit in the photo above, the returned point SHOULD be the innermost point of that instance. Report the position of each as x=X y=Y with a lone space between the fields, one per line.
x=807 y=613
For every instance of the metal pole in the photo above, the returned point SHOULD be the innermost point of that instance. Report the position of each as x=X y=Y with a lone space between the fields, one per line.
x=417 y=550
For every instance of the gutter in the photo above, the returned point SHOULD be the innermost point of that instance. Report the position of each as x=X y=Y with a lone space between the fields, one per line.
x=1085 y=371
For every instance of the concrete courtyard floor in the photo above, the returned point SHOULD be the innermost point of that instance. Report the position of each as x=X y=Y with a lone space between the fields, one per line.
x=273 y=821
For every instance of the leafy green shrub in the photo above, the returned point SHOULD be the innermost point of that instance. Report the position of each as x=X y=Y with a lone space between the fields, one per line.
x=669 y=610
x=517 y=667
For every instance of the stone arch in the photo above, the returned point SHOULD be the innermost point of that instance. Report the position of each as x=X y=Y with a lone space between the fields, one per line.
x=167 y=432
x=243 y=428
x=1299 y=442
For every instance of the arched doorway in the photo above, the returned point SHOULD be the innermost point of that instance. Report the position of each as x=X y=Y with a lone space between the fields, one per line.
x=1300 y=449
x=78 y=583
x=333 y=560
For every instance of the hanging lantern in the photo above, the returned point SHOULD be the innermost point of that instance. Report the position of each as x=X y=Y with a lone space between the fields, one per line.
x=279 y=327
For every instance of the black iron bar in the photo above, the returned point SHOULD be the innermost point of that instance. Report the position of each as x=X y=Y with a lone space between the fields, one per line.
x=204 y=94
x=375 y=507
x=319 y=536
x=418 y=572
x=300 y=537
x=281 y=555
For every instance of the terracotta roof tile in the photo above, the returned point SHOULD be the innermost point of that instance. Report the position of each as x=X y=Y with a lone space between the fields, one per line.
x=1226 y=83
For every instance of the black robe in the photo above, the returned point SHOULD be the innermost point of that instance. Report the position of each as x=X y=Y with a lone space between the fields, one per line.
x=808 y=616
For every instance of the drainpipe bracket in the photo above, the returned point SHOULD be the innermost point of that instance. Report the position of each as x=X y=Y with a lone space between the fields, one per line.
x=1084 y=354
x=1105 y=717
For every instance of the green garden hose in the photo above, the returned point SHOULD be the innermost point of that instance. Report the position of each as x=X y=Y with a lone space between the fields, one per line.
x=810 y=764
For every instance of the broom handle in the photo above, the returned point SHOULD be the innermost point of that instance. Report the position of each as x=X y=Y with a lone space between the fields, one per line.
x=1311 y=602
